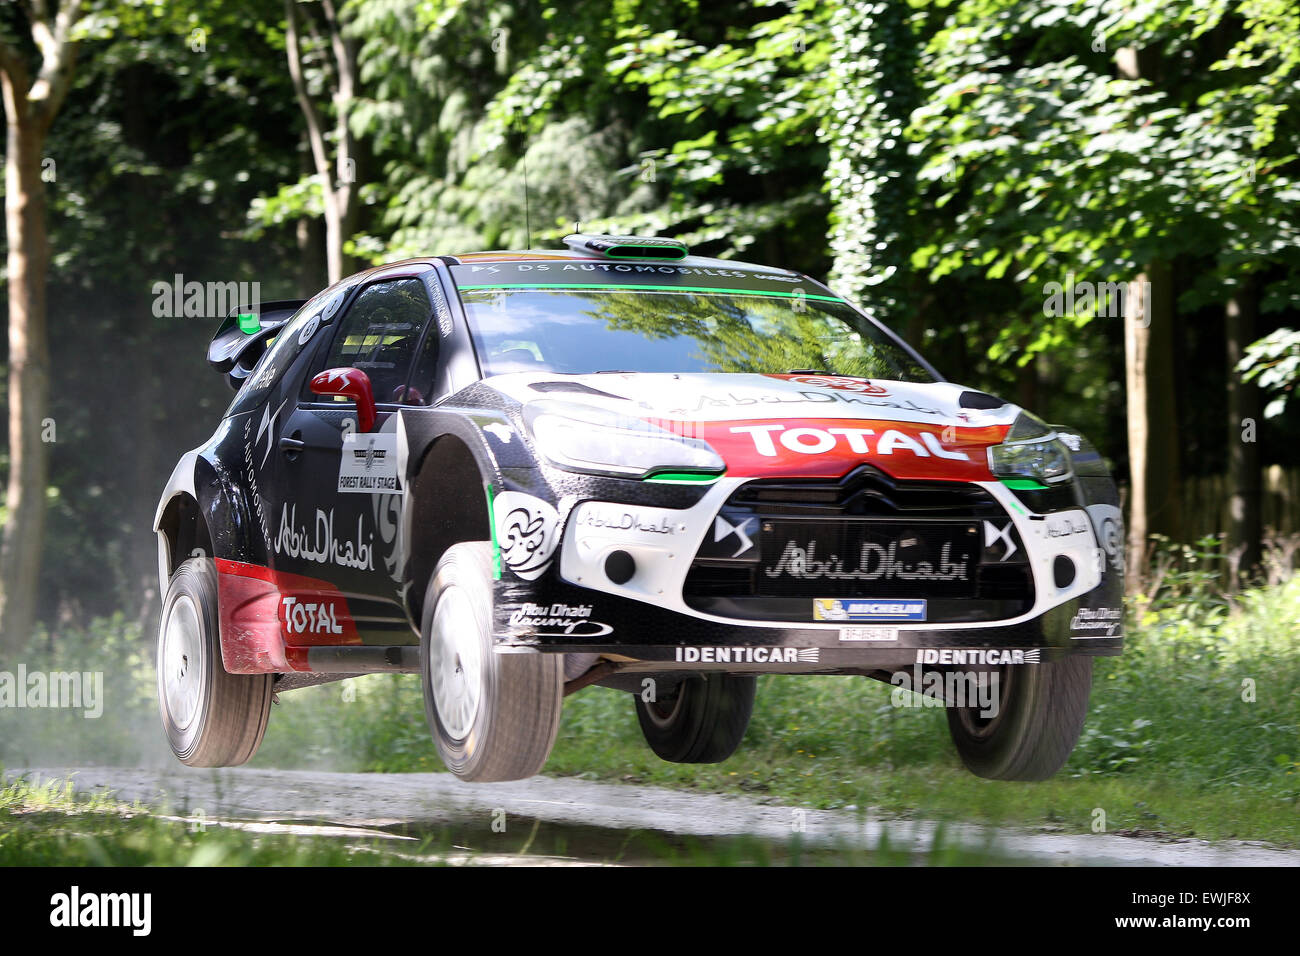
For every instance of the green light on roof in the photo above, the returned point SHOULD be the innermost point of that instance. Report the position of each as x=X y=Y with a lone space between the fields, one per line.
x=627 y=247
x=249 y=323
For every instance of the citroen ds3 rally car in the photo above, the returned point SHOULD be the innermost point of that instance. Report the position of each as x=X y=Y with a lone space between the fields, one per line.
x=519 y=474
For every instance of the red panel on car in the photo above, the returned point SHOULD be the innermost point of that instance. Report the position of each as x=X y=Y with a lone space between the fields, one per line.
x=832 y=447
x=268 y=618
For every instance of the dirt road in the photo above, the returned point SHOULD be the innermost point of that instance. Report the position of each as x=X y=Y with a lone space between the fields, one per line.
x=593 y=822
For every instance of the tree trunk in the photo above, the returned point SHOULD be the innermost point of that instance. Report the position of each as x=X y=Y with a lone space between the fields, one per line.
x=29 y=363
x=1154 y=496
x=311 y=239
x=337 y=176
x=1243 y=420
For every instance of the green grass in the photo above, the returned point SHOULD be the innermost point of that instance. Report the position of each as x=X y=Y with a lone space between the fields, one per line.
x=51 y=825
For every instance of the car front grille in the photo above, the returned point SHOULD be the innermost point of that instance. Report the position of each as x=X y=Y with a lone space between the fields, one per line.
x=865 y=505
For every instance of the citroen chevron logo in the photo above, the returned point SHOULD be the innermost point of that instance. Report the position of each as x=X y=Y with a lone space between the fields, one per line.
x=993 y=533
x=722 y=527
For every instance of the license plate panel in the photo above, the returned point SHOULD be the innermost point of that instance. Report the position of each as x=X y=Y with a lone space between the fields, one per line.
x=869 y=635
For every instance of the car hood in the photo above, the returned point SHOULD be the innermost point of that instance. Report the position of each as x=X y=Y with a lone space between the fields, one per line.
x=797 y=425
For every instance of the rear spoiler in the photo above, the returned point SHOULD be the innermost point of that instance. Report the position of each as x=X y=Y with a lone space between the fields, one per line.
x=233 y=351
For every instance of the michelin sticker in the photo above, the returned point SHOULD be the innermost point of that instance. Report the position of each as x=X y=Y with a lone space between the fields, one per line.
x=369 y=463
x=527 y=532
x=834 y=609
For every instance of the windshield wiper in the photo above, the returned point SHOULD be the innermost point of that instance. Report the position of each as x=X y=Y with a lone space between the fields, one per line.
x=808 y=371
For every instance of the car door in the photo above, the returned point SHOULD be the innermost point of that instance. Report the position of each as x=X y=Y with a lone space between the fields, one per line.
x=342 y=497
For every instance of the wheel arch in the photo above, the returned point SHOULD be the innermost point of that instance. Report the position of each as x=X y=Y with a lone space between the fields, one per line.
x=198 y=512
x=453 y=456
x=182 y=533
x=448 y=471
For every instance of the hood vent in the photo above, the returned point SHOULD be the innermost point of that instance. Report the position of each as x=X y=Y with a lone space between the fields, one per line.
x=970 y=399
x=572 y=387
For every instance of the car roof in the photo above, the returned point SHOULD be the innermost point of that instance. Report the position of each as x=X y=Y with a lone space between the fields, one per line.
x=531 y=255
x=542 y=255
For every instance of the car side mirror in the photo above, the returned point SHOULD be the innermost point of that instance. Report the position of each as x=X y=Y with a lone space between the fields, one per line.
x=351 y=383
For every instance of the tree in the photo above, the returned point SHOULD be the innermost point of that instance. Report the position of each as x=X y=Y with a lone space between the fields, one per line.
x=1154 y=504
x=1061 y=171
x=32 y=97
x=328 y=61
x=180 y=114
x=872 y=176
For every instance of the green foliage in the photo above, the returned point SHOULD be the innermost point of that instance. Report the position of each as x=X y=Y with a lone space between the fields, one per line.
x=872 y=173
x=1274 y=363
x=1042 y=165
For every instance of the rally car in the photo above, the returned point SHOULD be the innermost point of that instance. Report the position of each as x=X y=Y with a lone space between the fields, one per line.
x=519 y=474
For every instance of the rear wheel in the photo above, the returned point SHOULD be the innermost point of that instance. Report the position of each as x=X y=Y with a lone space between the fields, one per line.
x=1040 y=714
x=493 y=716
x=211 y=718
x=702 y=721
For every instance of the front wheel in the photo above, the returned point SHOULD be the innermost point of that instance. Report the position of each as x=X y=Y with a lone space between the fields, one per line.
x=493 y=716
x=1039 y=716
x=702 y=721
x=212 y=718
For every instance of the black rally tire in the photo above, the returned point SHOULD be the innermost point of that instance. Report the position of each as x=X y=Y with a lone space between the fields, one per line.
x=702 y=722
x=211 y=718
x=1040 y=716
x=508 y=733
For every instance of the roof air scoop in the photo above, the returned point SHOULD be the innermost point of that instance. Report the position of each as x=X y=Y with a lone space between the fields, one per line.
x=627 y=247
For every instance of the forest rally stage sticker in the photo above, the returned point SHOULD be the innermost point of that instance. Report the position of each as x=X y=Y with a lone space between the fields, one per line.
x=368 y=463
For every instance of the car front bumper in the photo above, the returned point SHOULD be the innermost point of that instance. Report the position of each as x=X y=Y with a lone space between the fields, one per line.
x=613 y=579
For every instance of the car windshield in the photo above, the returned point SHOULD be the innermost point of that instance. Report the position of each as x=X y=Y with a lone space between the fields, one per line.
x=665 y=330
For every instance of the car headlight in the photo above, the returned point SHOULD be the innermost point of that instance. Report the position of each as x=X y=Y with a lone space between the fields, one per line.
x=594 y=441
x=1031 y=450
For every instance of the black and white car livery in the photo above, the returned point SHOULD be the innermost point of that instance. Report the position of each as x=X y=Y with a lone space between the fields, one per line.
x=523 y=473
